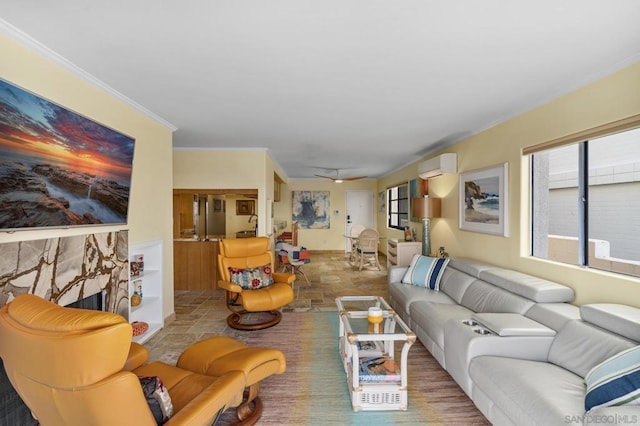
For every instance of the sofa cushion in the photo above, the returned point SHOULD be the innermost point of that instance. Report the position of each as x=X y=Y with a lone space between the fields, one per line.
x=615 y=381
x=534 y=288
x=553 y=315
x=579 y=347
x=433 y=316
x=455 y=283
x=395 y=273
x=529 y=392
x=484 y=297
x=620 y=319
x=469 y=266
x=403 y=295
x=425 y=271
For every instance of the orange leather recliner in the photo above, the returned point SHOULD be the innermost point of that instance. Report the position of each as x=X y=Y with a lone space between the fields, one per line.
x=70 y=368
x=251 y=253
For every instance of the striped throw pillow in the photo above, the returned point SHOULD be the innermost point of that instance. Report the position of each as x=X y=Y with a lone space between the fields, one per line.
x=425 y=271
x=615 y=381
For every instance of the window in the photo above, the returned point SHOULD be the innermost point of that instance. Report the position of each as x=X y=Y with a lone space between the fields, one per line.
x=586 y=202
x=398 y=210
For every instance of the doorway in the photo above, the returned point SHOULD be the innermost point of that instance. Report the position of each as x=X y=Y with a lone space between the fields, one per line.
x=204 y=212
x=360 y=209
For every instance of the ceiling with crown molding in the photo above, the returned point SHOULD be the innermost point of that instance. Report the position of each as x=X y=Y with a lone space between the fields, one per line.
x=363 y=86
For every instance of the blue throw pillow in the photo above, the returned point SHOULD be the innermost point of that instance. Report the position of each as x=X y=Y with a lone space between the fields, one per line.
x=425 y=271
x=615 y=381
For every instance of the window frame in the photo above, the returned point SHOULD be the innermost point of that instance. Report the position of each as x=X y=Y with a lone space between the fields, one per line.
x=582 y=140
x=397 y=214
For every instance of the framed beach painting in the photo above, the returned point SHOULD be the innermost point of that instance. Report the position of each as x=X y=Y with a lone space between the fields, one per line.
x=484 y=200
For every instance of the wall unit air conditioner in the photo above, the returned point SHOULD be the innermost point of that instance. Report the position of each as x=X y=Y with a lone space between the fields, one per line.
x=444 y=163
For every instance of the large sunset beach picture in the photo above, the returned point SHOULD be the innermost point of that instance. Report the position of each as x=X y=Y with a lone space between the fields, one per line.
x=58 y=168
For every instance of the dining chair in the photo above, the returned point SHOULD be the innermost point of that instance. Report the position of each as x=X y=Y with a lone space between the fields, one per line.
x=367 y=248
x=354 y=233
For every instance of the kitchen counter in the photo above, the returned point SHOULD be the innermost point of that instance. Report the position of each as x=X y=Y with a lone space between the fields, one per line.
x=245 y=234
x=210 y=238
x=195 y=264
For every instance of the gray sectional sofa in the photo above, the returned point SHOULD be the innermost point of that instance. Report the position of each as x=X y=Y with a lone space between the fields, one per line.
x=514 y=343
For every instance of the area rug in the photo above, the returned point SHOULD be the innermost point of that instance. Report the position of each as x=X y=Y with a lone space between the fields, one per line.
x=313 y=390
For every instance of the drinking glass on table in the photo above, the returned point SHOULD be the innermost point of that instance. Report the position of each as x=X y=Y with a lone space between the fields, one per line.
x=375 y=318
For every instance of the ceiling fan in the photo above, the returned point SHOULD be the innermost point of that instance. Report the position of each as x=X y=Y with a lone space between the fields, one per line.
x=338 y=178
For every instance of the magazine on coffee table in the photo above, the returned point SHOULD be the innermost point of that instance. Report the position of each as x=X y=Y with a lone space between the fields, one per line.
x=379 y=369
x=369 y=349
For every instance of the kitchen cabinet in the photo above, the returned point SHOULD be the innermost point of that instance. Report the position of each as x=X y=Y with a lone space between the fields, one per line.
x=183 y=215
x=195 y=265
x=277 y=182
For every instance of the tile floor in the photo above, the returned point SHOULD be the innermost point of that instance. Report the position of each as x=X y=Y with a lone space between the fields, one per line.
x=202 y=314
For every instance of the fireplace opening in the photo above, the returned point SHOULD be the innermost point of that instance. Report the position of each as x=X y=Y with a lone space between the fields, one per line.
x=95 y=302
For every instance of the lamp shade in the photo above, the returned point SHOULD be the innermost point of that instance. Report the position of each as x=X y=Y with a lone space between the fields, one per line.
x=426 y=207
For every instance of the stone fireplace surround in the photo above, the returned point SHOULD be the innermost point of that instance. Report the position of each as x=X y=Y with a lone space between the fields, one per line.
x=65 y=270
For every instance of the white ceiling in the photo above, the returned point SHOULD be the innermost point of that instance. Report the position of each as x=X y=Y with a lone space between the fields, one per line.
x=367 y=86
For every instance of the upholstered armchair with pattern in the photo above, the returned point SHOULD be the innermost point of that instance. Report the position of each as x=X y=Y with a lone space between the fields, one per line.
x=254 y=292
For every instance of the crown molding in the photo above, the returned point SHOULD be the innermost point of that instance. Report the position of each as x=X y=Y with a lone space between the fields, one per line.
x=34 y=45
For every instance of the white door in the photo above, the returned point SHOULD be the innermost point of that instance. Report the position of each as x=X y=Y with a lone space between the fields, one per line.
x=360 y=209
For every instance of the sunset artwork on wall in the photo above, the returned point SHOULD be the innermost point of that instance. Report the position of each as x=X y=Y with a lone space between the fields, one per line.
x=59 y=168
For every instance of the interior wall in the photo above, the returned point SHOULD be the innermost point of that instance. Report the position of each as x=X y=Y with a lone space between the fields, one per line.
x=149 y=219
x=609 y=99
x=272 y=168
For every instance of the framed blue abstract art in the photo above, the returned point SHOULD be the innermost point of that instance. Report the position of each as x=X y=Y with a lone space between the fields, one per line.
x=311 y=209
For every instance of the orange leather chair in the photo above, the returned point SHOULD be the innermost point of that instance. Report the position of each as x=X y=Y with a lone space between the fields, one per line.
x=79 y=367
x=245 y=254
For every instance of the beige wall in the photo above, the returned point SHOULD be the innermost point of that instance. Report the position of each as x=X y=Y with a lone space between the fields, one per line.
x=609 y=99
x=149 y=217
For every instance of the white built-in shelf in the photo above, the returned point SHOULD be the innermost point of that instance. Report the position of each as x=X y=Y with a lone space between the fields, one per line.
x=150 y=309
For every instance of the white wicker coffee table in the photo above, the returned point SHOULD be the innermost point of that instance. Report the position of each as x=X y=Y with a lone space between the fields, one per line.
x=377 y=380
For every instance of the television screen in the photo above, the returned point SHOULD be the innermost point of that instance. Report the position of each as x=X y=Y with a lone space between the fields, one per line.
x=59 y=168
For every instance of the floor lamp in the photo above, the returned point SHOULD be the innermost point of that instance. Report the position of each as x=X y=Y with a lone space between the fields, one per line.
x=426 y=208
